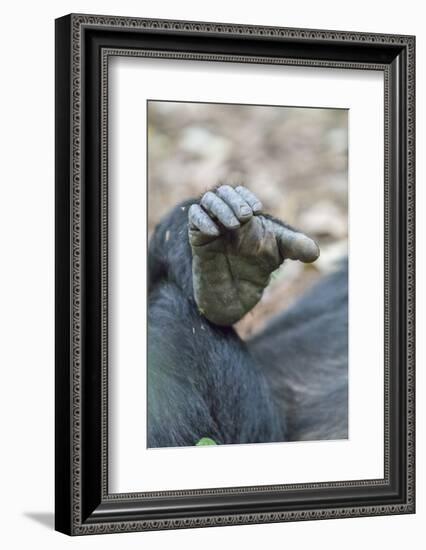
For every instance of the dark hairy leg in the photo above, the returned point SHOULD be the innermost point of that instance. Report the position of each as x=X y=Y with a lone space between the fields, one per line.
x=304 y=356
x=202 y=380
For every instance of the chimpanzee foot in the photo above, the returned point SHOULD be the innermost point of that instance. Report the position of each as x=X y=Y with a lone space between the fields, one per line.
x=235 y=248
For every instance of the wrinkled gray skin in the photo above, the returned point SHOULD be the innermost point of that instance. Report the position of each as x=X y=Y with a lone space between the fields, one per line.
x=235 y=248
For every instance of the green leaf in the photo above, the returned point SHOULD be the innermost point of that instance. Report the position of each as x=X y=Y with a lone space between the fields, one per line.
x=205 y=441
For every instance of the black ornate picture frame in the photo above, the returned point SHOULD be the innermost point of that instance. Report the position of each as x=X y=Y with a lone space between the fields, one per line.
x=84 y=44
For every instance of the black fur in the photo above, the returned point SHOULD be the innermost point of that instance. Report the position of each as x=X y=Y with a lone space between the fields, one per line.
x=289 y=383
x=304 y=354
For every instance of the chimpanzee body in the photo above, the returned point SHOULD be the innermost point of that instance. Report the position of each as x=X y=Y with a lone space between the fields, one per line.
x=287 y=383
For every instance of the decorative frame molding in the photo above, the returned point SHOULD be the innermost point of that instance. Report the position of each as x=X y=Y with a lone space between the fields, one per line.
x=83 y=47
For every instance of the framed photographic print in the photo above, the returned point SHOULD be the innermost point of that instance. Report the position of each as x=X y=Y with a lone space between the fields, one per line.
x=234 y=274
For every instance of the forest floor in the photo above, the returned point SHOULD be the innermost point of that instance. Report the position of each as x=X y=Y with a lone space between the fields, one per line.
x=294 y=159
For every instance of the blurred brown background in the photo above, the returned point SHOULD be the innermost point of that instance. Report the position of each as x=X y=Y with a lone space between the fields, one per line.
x=295 y=160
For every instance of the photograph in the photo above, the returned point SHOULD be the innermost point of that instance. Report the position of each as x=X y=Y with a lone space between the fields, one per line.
x=209 y=291
x=247 y=274
x=234 y=303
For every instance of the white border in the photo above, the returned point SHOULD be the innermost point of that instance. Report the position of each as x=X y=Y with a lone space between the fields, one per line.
x=131 y=466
